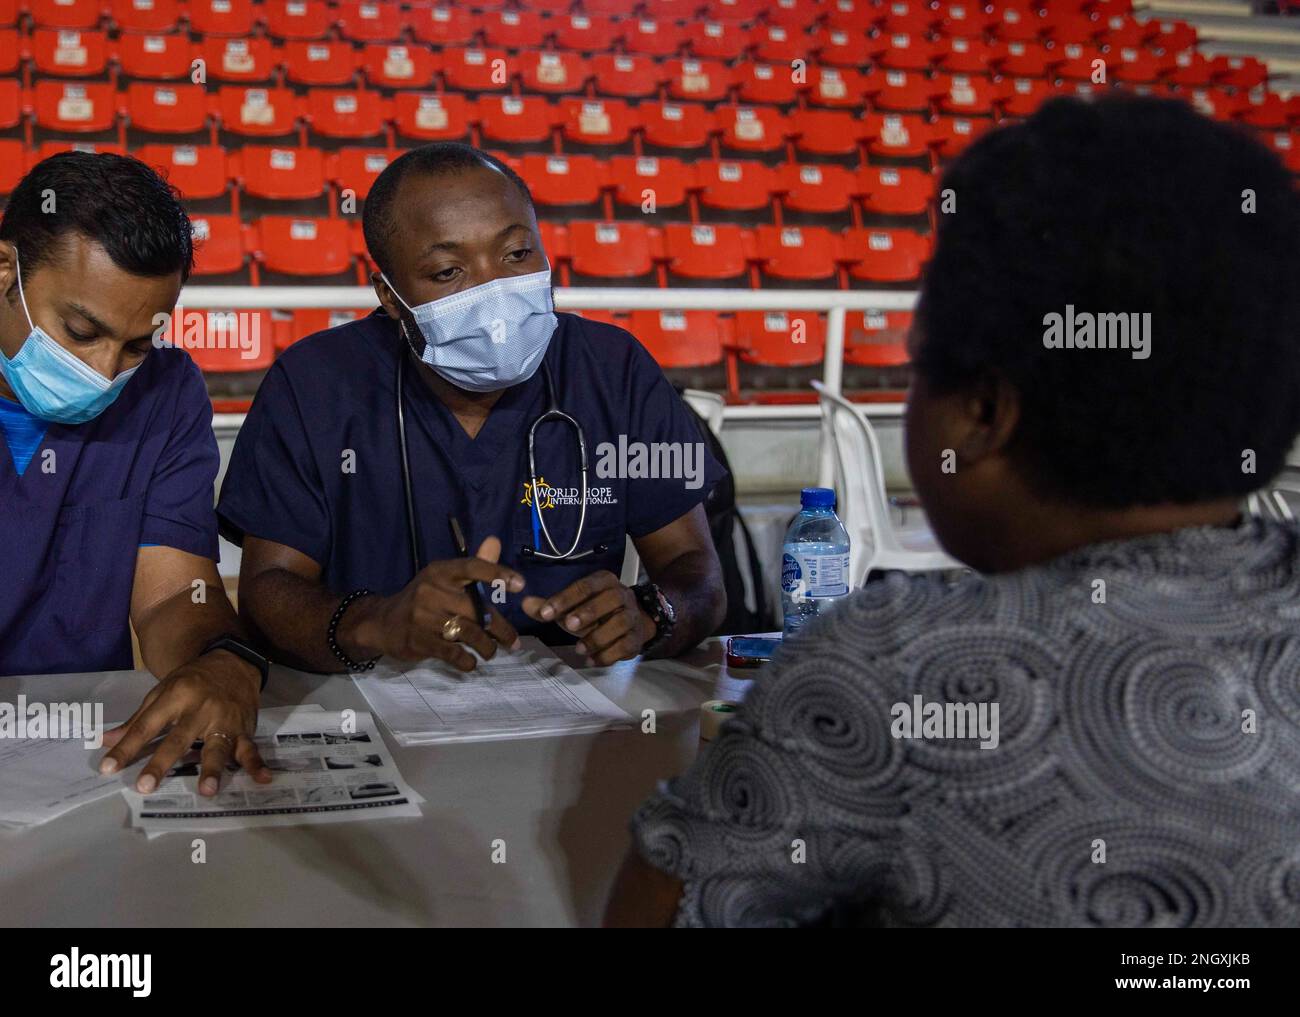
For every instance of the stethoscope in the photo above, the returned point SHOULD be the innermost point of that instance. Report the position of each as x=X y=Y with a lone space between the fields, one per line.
x=552 y=412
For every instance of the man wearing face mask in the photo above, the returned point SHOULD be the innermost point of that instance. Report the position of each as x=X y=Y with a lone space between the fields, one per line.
x=370 y=444
x=106 y=517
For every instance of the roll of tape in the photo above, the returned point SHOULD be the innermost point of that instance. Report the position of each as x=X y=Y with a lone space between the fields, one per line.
x=712 y=714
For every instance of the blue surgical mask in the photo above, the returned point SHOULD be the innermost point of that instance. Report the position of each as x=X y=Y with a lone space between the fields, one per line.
x=54 y=384
x=487 y=337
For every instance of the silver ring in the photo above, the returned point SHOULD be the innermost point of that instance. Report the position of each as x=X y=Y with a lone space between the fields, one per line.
x=220 y=734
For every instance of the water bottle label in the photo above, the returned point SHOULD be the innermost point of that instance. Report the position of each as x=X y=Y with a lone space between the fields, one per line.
x=790 y=574
x=823 y=575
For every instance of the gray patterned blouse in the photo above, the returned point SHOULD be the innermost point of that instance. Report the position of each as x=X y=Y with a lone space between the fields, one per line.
x=1111 y=738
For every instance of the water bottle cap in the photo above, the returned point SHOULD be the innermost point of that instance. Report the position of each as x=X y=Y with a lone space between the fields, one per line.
x=817 y=497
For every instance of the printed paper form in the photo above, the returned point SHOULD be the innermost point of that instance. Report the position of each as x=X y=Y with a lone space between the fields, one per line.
x=525 y=694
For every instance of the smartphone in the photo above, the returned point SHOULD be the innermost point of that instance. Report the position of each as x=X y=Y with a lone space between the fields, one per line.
x=750 y=651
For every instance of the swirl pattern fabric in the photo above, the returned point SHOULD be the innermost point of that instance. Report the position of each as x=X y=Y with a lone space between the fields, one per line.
x=1146 y=770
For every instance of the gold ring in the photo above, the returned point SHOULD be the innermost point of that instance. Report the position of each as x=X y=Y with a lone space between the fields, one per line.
x=451 y=629
x=219 y=734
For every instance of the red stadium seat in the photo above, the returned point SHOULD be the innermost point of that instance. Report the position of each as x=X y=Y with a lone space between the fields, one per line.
x=904 y=135
x=679 y=338
x=345 y=113
x=172 y=108
x=1134 y=65
x=705 y=252
x=762 y=82
x=966 y=95
x=146 y=15
x=877 y=338
x=443 y=26
x=425 y=116
x=11 y=103
x=307 y=321
x=221 y=17
x=79 y=14
x=632 y=176
x=777 y=44
x=826 y=132
x=966 y=20
x=625 y=76
x=12 y=164
x=718 y=40
x=1238 y=72
x=900 y=90
x=257 y=112
x=610 y=250
x=1022 y=59
x=558 y=180
x=743 y=186
x=951 y=135
x=890 y=191
x=1187 y=68
x=1064 y=25
x=965 y=56
x=794 y=14
x=821 y=190
x=82 y=107
x=226 y=341
x=1287 y=146
x=1263 y=109
x=513 y=29
x=653 y=38
x=319 y=62
x=840 y=87
x=238 y=59
x=885 y=255
x=585 y=33
x=49 y=148
x=199 y=172
x=722 y=10
x=912 y=16
x=476 y=70
x=297 y=19
x=1076 y=61
x=780 y=338
x=676 y=125
x=553 y=73
x=801 y=253
x=837 y=47
x=518 y=120
x=159 y=57
x=1018 y=23
x=1174 y=37
x=280 y=174
x=219 y=244
x=904 y=51
x=855 y=15
x=1120 y=30
x=356 y=169
x=1020 y=97
x=388 y=66
x=596 y=121
x=304 y=247
x=752 y=129
x=697 y=80
x=10 y=53
x=370 y=22
x=69 y=53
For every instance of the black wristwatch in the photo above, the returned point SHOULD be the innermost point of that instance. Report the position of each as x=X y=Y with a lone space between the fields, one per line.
x=240 y=649
x=653 y=602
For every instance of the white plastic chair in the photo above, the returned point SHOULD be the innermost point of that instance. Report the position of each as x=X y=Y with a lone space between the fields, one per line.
x=874 y=544
x=708 y=405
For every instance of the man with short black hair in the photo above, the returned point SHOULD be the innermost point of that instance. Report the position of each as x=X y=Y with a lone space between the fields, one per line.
x=106 y=515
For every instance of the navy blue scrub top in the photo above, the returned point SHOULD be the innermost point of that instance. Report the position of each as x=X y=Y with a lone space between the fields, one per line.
x=317 y=465
x=140 y=473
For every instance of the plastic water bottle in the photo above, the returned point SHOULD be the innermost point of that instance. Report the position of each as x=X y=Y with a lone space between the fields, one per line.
x=814 y=560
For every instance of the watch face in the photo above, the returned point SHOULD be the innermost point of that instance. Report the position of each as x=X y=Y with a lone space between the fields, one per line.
x=666 y=606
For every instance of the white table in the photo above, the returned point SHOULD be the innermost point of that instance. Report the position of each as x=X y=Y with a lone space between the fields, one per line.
x=561 y=805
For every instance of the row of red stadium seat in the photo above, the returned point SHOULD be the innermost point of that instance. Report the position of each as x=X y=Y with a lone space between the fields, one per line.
x=661 y=27
x=677 y=339
x=97 y=107
x=623 y=251
x=828 y=78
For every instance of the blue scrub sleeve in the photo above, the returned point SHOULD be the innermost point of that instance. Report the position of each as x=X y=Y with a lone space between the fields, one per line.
x=660 y=416
x=273 y=488
x=178 y=507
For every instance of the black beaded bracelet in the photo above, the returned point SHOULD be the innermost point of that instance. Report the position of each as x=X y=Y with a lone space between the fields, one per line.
x=337 y=650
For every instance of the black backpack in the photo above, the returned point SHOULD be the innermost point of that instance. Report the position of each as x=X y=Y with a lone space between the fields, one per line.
x=724 y=519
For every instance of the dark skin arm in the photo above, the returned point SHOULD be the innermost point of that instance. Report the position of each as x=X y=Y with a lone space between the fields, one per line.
x=282 y=597
x=195 y=695
x=681 y=560
x=642 y=897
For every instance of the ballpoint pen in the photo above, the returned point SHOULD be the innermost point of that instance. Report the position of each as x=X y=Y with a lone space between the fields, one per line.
x=477 y=595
